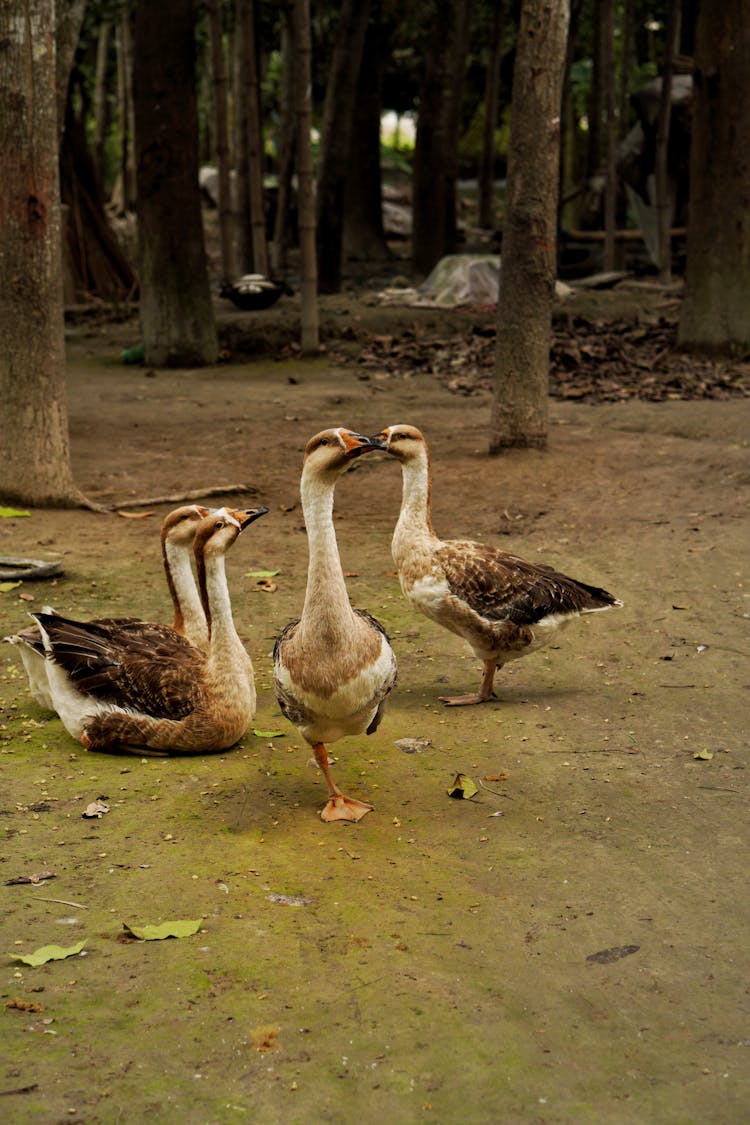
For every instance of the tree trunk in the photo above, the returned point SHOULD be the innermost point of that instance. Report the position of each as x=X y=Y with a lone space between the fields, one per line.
x=436 y=149
x=101 y=115
x=127 y=185
x=336 y=136
x=527 y=273
x=607 y=18
x=716 y=311
x=596 y=98
x=491 y=109
x=221 y=130
x=310 y=341
x=364 y=236
x=663 y=187
x=251 y=141
x=35 y=466
x=177 y=319
x=287 y=144
x=68 y=19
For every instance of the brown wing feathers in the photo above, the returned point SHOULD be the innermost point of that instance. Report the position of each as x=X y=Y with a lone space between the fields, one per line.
x=500 y=586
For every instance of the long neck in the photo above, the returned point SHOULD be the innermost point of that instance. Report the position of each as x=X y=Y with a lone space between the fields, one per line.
x=414 y=519
x=212 y=580
x=189 y=615
x=326 y=597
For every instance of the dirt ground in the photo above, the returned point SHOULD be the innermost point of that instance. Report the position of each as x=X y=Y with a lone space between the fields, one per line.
x=568 y=946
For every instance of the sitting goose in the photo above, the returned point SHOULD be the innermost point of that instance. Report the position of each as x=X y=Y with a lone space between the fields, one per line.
x=504 y=606
x=334 y=667
x=177 y=535
x=129 y=684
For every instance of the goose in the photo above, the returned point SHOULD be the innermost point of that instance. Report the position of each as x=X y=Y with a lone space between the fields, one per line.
x=177 y=535
x=128 y=684
x=504 y=606
x=334 y=667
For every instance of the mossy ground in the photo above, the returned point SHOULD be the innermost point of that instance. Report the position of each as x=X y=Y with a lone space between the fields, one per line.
x=434 y=962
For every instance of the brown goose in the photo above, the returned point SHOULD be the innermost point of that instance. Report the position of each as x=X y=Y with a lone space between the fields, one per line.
x=177 y=535
x=334 y=667
x=129 y=684
x=504 y=606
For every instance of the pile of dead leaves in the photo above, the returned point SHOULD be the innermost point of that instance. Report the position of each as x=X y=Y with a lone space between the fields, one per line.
x=589 y=362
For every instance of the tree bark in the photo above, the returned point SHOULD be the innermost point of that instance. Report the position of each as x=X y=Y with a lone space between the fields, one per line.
x=35 y=467
x=310 y=338
x=177 y=319
x=607 y=17
x=436 y=149
x=663 y=186
x=101 y=116
x=336 y=135
x=364 y=235
x=491 y=110
x=527 y=273
x=221 y=144
x=251 y=141
x=287 y=144
x=716 y=311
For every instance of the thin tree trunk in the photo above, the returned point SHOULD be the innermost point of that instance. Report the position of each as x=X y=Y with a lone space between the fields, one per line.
x=436 y=150
x=101 y=115
x=287 y=143
x=364 y=234
x=127 y=188
x=252 y=139
x=491 y=110
x=336 y=134
x=663 y=187
x=35 y=466
x=177 y=319
x=221 y=132
x=310 y=341
x=607 y=16
x=527 y=274
x=596 y=97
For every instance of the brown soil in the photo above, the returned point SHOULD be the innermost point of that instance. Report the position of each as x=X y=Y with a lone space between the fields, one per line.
x=568 y=946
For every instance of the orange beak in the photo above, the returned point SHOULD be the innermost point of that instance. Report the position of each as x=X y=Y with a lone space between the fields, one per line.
x=246 y=516
x=355 y=444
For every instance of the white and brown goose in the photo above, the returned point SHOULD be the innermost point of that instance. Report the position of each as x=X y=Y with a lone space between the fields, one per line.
x=189 y=618
x=504 y=606
x=129 y=684
x=334 y=667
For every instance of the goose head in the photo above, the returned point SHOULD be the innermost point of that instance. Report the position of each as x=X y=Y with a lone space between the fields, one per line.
x=405 y=443
x=179 y=526
x=218 y=531
x=331 y=451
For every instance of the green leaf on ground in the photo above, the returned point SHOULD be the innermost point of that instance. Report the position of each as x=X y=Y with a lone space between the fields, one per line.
x=48 y=953
x=462 y=787
x=12 y=513
x=269 y=733
x=6 y=586
x=180 y=928
x=704 y=755
x=261 y=573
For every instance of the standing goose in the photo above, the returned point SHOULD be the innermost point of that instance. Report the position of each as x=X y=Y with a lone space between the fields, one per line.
x=504 y=606
x=334 y=667
x=177 y=535
x=122 y=684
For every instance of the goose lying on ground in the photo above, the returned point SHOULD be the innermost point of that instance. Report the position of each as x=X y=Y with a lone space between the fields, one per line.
x=334 y=667
x=131 y=684
x=504 y=606
x=177 y=535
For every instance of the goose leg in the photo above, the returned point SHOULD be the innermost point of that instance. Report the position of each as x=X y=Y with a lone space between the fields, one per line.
x=338 y=807
x=484 y=694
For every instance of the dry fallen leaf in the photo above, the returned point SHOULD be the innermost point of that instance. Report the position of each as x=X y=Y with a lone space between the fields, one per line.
x=463 y=787
x=412 y=745
x=265 y=1039
x=24 y=1005
x=39 y=877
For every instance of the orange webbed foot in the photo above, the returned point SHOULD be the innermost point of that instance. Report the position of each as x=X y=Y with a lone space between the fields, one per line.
x=344 y=808
x=466 y=700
